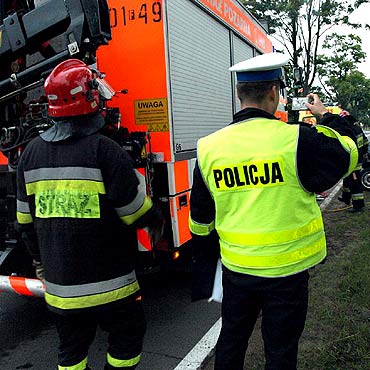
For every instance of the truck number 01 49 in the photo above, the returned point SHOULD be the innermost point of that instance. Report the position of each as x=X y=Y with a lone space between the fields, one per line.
x=144 y=12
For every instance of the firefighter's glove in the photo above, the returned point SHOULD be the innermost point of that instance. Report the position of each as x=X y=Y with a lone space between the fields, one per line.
x=39 y=270
x=155 y=224
x=156 y=233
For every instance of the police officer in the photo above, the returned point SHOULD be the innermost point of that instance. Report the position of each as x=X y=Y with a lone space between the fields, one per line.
x=254 y=185
x=78 y=205
x=352 y=189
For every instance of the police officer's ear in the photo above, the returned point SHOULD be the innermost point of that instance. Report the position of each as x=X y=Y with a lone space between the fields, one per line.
x=276 y=87
x=275 y=92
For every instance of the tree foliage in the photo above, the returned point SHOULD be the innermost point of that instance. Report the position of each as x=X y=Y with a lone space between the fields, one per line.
x=300 y=25
x=339 y=77
x=344 y=55
x=354 y=95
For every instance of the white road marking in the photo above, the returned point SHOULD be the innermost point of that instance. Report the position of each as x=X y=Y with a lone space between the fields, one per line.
x=330 y=197
x=202 y=350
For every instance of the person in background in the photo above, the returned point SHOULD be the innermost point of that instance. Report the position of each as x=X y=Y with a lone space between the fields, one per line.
x=352 y=190
x=78 y=206
x=322 y=195
x=254 y=187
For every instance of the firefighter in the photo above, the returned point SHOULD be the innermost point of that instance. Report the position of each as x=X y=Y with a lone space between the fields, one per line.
x=78 y=206
x=254 y=186
x=352 y=189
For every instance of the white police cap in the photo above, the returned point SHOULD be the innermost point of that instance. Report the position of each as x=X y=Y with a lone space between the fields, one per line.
x=265 y=67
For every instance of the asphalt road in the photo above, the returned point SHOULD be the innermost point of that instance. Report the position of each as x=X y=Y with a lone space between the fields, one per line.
x=28 y=339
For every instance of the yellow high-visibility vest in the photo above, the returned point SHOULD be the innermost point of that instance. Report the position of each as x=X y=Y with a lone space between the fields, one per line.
x=268 y=224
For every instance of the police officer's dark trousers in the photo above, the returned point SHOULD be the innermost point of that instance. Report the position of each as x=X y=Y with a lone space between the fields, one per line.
x=283 y=304
x=124 y=322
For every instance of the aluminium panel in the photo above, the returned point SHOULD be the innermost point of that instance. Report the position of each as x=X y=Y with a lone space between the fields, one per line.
x=241 y=51
x=200 y=82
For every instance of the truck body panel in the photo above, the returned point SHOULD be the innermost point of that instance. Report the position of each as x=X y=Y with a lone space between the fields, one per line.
x=172 y=56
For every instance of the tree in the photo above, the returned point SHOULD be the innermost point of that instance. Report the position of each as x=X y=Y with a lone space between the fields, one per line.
x=339 y=76
x=343 y=54
x=354 y=95
x=299 y=26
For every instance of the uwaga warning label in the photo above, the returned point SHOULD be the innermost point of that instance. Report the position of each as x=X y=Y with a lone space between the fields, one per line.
x=153 y=113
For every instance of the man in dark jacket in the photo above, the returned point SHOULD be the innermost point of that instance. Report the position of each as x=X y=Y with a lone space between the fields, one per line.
x=254 y=187
x=78 y=205
x=352 y=190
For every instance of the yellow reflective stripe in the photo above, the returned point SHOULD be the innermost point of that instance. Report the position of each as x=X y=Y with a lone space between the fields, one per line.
x=67 y=203
x=347 y=143
x=130 y=219
x=274 y=237
x=71 y=303
x=273 y=261
x=327 y=131
x=115 y=362
x=85 y=185
x=80 y=366
x=200 y=229
x=353 y=151
x=24 y=218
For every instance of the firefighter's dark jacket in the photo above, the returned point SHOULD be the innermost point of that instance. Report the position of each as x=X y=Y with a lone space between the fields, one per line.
x=362 y=145
x=321 y=163
x=80 y=194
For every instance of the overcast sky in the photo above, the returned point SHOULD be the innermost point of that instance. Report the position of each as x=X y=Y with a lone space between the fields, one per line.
x=361 y=15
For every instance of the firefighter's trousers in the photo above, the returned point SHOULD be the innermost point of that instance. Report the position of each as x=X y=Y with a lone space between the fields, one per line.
x=125 y=324
x=283 y=304
x=352 y=189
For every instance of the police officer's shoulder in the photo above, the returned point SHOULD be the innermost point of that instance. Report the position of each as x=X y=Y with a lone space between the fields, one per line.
x=265 y=67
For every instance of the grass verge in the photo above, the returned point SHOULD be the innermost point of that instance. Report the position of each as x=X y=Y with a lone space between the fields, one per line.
x=337 y=333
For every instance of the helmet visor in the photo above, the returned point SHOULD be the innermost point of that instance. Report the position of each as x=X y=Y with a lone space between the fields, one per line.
x=105 y=90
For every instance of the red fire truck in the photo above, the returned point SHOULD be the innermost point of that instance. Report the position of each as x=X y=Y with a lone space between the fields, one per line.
x=168 y=61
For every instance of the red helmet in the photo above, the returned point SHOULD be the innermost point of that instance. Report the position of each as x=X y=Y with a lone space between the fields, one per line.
x=70 y=89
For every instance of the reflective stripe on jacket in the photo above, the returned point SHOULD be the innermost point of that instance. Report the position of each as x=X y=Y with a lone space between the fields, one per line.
x=362 y=144
x=80 y=195
x=267 y=223
x=90 y=295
